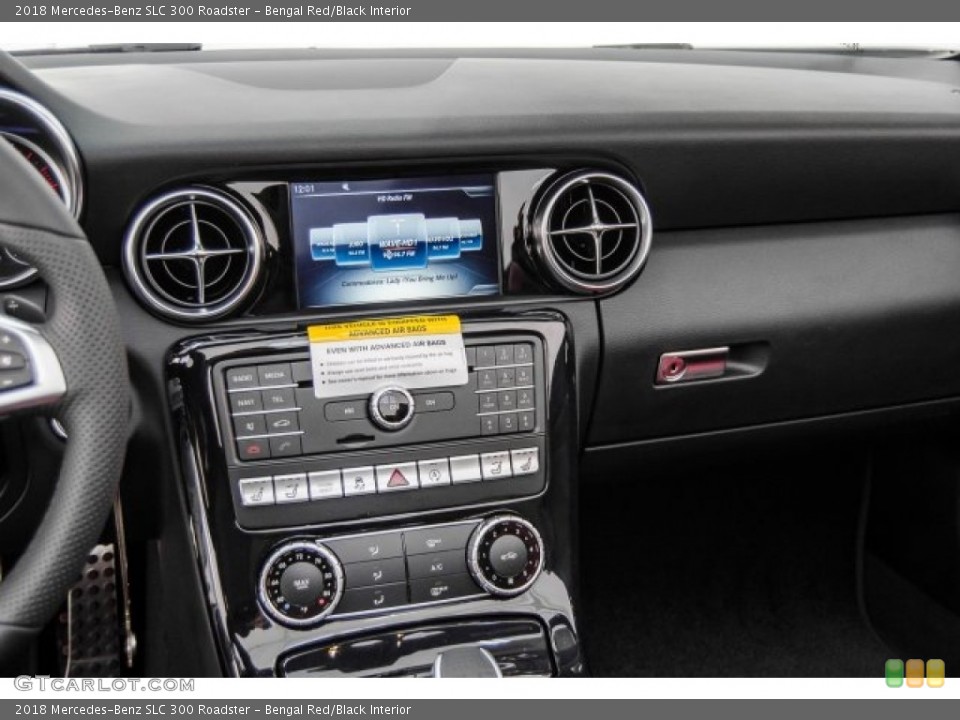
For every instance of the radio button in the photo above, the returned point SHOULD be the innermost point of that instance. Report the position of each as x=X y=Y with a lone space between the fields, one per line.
x=488 y=402
x=359 y=481
x=257 y=449
x=526 y=461
x=367 y=547
x=278 y=374
x=284 y=422
x=249 y=425
x=291 y=488
x=375 y=572
x=285 y=446
x=345 y=410
x=434 y=472
x=437 y=539
x=256 y=491
x=465 y=468
x=391 y=478
x=504 y=354
x=523 y=353
x=525 y=375
x=325 y=484
x=486 y=356
x=244 y=402
x=495 y=465
x=241 y=377
x=451 y=562
x=486 y=379
x=278 y=399
x=488 y=425
x=508 y=423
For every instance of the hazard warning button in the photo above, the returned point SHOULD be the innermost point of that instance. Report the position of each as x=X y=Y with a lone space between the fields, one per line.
x=402 y=476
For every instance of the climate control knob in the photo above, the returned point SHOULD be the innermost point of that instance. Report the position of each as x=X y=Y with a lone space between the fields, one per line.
x=505 y=555
x=300 y=584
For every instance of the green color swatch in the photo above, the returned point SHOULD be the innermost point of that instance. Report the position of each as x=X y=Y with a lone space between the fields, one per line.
x=893 y=670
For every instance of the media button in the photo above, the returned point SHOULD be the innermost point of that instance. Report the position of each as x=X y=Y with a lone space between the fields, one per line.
x=359 y=481
x=278 y=374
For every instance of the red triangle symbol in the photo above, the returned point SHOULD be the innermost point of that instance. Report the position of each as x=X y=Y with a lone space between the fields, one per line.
x=397 y=479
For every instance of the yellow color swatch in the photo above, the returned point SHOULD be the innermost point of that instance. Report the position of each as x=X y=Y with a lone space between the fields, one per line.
x=914 y=673
x=936 y=672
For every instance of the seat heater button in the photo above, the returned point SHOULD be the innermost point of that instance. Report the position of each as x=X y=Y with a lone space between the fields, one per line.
x=434 y=472
x=465 y=468
x=256 y=491
x=526 y=461
x=495 y=465
x=402 y=476
x=325 y=484
x=291 y=488
x=359 y=481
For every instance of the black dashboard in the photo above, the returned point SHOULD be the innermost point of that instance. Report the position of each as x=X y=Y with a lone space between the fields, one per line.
x=644 y=253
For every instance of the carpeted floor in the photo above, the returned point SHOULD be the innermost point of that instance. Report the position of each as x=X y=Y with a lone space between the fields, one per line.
x=726 y=571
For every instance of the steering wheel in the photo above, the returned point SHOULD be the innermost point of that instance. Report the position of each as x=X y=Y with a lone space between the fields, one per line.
x=74 y=364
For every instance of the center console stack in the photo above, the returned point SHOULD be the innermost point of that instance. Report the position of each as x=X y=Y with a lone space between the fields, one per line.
x=372 y=494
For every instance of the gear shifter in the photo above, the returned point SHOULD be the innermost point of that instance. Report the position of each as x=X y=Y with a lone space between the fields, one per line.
x=467 y=662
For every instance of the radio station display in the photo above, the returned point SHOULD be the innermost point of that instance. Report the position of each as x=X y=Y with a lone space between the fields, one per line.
x=394 y=240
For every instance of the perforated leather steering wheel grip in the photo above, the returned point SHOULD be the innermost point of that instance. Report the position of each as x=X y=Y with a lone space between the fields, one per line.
x=83 y=330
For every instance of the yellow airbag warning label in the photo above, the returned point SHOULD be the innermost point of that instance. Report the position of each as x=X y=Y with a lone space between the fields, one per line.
x=358 y=358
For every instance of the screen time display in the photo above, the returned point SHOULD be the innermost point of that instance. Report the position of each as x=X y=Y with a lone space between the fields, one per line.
x=394 y=240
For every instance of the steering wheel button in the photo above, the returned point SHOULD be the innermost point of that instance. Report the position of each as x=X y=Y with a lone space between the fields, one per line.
x=10 y=379
x=256 y=491
x=11 y=361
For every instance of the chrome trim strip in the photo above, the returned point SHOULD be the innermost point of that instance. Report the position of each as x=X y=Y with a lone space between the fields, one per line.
x=543 y=247
x=261 y=387
x=133 y=254
x=61 y=138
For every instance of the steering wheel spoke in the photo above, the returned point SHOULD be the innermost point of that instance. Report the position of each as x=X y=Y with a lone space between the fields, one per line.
x=30 y=372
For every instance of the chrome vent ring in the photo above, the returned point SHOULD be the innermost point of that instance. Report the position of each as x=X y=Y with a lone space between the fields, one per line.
x=592 y=231
x=193 y=254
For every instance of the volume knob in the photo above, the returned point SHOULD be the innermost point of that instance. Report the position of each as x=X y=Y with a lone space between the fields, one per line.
x=505 y=555
x=300 y=584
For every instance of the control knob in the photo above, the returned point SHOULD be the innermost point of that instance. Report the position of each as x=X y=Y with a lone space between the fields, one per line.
x=391 y=408
x=300 y=584
x=505 y=555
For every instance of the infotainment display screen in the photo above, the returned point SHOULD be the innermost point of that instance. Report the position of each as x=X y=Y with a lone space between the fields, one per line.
x=394 y=240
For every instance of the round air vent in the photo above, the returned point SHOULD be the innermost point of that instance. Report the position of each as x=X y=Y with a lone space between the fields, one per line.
x=591 y=231
x=193 y=254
